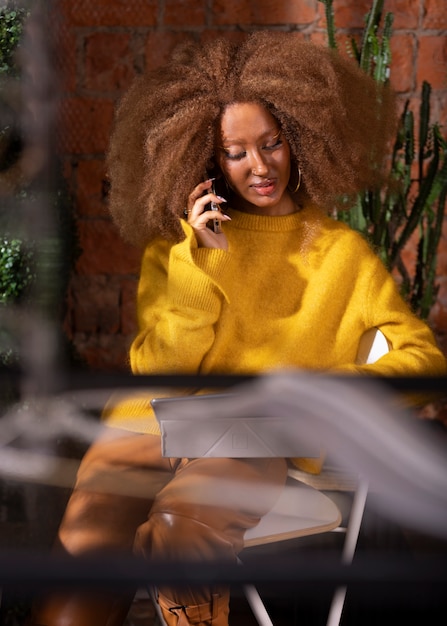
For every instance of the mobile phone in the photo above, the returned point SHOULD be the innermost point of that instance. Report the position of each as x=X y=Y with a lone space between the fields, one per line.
x=215 y=207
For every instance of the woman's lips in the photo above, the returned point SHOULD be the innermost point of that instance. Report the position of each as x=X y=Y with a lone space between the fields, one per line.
x=265 y=188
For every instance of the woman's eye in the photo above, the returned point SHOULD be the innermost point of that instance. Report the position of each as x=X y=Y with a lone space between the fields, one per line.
x=273 y=146
x=234 y=157
x=270 y=146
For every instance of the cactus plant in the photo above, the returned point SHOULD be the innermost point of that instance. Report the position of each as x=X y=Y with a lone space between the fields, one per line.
x=413 y=206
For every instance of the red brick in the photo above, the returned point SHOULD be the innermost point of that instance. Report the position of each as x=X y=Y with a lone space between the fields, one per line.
x=405 y=13
x=109 y=12
x=159 y=46
x=264 y=12
x=109 y=62
x=65 y=62
x=408 y=254
x=401 y=49
x=84 y=125
x=350 y=13
x=402 y=62
x=129 y=305
x=400 y=102
x=343 y=41
x=96 y=304
x=103 y=250
x=91 y=184
x=438 y=318
x=432 y=61
x=184 y=12
x=237 y=36
x=104 y=352
x=435 y=14
x=438 y=314
x=67 y=169
x=440 y=110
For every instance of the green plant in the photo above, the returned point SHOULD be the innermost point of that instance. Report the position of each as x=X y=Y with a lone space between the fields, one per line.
x=16 y=278
x=12 y=15
x=34 y=267
x=16 y=256
x=16 y=273
x=412 y=206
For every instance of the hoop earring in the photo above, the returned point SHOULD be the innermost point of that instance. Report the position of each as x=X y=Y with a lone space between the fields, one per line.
x=298 y=184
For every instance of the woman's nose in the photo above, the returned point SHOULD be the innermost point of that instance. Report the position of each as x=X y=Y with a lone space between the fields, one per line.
x=258 y=165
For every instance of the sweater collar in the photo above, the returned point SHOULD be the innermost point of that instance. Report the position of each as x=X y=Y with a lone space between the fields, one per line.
x=269 y=223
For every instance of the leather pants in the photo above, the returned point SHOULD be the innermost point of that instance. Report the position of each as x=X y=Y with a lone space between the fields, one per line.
x=128 y=497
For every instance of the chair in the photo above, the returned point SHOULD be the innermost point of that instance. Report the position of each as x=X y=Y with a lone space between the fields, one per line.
x=284 y=521
x=287 y=521
x=303 y=510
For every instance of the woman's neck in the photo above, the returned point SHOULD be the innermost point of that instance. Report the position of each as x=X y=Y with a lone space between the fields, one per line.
x=286 y=206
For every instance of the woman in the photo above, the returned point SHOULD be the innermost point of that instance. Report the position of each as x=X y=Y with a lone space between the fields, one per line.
x=283 y=129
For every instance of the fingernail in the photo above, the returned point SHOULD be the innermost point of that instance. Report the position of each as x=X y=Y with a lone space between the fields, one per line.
x=227 y=217
x=210 y=180
x=221 y=198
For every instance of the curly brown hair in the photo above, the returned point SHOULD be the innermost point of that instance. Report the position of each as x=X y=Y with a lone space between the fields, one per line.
x=337 y=120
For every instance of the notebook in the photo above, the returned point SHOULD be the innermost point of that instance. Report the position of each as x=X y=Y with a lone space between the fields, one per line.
x=190 y=428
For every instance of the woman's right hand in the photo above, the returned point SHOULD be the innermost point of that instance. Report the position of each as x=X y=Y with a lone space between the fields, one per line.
x=198 y=216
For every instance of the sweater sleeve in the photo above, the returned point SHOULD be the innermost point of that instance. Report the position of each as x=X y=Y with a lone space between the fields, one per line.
x=413 y=348
x=180 y=296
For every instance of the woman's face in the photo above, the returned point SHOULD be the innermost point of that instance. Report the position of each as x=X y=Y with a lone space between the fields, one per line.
x=254 y=157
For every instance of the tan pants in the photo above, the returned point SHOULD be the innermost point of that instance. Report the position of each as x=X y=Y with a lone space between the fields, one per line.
x=128 y=497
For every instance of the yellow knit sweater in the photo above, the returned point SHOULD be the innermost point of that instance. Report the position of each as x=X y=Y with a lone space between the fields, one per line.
x=296 y=291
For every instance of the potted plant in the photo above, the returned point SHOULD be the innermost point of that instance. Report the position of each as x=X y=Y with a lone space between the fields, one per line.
x=412 y=207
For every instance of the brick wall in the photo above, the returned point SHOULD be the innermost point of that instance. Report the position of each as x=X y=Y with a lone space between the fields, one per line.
x=105 y=43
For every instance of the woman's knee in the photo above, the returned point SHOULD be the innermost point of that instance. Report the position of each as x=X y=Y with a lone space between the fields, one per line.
x=247 y=486
x=175 y=537
x=205 y=510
